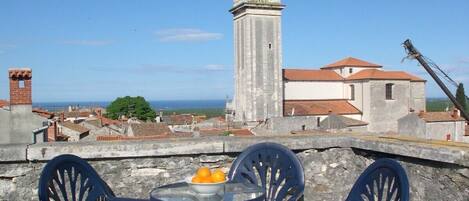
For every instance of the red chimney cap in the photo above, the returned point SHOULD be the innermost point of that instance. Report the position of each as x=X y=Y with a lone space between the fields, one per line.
x=20 y=73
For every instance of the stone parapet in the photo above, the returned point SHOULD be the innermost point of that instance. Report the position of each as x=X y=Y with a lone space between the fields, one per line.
x=437 y=170
x=448 y=152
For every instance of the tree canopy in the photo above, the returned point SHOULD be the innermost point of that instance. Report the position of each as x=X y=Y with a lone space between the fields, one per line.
x=461 y=97
x=130 y=107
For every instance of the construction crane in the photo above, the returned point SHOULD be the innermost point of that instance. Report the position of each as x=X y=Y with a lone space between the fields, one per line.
x=427 y=64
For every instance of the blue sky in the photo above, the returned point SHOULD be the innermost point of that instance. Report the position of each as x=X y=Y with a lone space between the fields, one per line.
x=165 y=50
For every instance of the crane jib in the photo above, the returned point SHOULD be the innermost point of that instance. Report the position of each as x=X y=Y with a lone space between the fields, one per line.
x=414 y=53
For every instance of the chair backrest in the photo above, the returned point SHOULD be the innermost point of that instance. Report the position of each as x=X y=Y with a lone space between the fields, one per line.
x=385 y=179
x=272 y=166
x=70 y=178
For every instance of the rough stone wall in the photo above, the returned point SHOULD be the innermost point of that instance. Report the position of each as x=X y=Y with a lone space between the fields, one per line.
x=412 y=125
x=417 y=93
x=329 y=174
x=439 y=130
x=18 y=124
x=282 y=125
x=4 y=126
x=383 y=114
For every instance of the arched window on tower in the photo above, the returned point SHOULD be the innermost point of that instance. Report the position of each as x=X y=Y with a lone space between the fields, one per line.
x=389 y=91
x=352 y=92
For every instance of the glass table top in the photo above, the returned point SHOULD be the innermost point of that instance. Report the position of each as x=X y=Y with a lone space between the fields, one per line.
x=230 y=192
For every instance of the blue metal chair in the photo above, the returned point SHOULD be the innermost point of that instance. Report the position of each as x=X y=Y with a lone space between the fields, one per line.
x=385 y=179
x=68 y=177
x=272 y=166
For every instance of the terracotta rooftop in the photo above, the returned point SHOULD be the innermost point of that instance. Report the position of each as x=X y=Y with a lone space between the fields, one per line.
x=150 y=129
x=75 y=127
x=439 y=116
x=310 y=75
x=351 y=62
x=4 y=103
x=107 y=121
x=178 y=119
x=373 y=74
x=241 y=132
x=43 y=113
x=76 y=114
x=318 y=107
x=94 y=122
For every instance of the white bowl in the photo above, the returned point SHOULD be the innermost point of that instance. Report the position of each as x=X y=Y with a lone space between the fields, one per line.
x=205 y=189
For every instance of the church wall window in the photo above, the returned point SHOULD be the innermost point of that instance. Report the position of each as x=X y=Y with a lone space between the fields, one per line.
x=389 y=91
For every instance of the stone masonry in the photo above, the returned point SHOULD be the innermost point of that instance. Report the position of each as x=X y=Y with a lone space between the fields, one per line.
x=331 y=163
x=258 y=60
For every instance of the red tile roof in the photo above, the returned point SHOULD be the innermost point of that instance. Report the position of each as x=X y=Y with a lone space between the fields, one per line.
x=373 y=74
x=76 y=114
x=310 y=75
x=351 y=62
x=181 y=119
x=43 y=113
x=126 y=138
x=439 y=116
x=4 y=103
x=150 y=129
x=107 y=121
x=318 y=107
x=241 y=132
x=75 y=127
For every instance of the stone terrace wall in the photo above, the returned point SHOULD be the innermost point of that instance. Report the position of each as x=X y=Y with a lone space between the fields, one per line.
x=331 y=163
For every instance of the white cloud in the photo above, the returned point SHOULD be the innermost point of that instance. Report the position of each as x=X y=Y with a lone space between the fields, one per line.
x=186 y=35
x=88 y=42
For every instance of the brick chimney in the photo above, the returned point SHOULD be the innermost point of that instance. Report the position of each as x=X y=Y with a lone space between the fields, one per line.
x=20 y=86
x=62 y=117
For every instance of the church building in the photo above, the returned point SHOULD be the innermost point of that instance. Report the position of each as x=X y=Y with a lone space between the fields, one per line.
x=352 y=88
x=355 y=89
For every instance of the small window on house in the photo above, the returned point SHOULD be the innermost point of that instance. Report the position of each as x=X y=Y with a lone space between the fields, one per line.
x=270 y=46
x=21 y=84
x=352 y=92
x=341 y=72
x=389 y=88
x=350 y=70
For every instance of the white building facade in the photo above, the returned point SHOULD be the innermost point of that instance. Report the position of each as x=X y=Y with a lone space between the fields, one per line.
x=356 y=89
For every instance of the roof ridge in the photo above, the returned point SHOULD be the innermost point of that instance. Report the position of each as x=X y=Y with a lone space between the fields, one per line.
x=352 y=62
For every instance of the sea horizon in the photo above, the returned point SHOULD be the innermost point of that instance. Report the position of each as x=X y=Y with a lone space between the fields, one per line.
x=157 y=105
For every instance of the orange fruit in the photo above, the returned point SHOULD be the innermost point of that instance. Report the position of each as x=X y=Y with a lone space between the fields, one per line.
x=203 y=172
x=196 y=179
x=206 y=180
x=218 y=176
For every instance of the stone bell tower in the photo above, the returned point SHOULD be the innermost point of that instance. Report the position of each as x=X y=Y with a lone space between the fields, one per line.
x=258 y=59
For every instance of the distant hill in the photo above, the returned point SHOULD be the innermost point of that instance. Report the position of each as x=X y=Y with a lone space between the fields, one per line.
x=438 y=104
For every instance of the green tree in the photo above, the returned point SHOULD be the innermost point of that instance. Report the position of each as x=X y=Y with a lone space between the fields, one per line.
x=130 y=107
x=461 y=97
